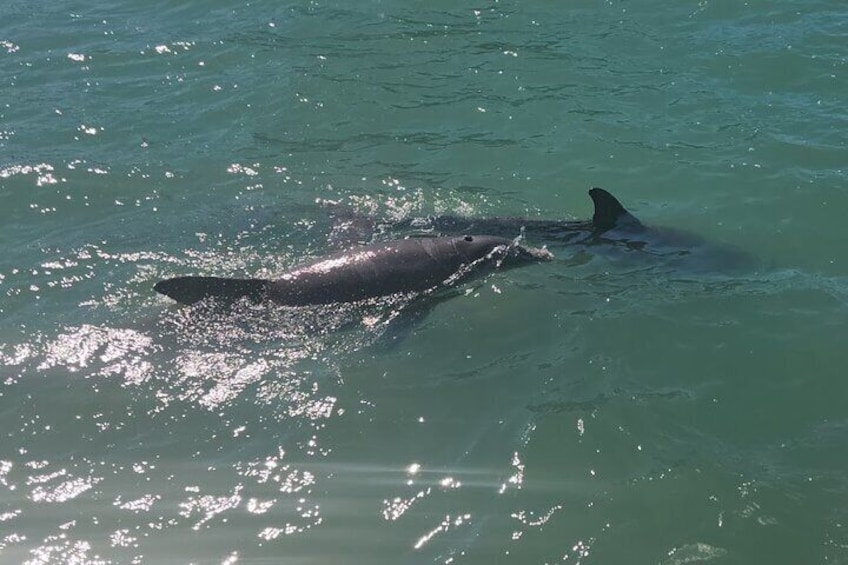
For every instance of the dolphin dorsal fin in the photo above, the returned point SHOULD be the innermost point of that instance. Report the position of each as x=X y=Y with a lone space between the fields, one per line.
x=609 y=213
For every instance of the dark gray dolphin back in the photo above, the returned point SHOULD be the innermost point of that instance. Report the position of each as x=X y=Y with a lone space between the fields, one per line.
x=609 y=214
x=406 y=265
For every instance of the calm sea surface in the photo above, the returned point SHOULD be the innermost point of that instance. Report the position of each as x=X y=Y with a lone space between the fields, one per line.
x=591 y=410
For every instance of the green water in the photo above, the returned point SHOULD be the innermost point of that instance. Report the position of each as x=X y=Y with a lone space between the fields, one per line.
x=584 y=411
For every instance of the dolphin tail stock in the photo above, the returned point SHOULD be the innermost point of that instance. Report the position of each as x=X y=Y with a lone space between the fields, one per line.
x=609 y=213
x=188 y=290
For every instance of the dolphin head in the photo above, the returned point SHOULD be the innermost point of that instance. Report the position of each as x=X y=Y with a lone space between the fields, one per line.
x=499 y=249
x=476 y=247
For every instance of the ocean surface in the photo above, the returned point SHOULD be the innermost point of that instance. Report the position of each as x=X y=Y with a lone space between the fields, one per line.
x=598 y=409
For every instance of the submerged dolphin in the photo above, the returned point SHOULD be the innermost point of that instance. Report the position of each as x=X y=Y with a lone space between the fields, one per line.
x=406 y=265
x=611 y=229
x=609 y=216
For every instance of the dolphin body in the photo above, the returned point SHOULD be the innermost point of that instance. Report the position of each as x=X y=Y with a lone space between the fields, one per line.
x=612 y=231
x=405 y=265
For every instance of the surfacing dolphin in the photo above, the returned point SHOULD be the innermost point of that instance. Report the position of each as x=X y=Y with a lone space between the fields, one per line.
x=405 y=265
x=612 y=230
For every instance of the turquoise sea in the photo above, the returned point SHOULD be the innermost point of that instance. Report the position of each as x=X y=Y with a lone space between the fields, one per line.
x=590 y=410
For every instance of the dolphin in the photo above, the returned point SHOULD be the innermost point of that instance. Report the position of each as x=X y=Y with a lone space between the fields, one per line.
x=677 y=249
x=609 y=216
x=612 y=231
x=406 y=265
